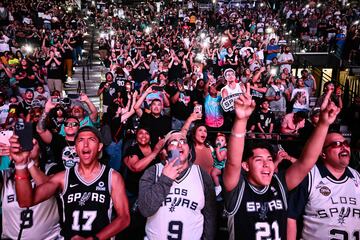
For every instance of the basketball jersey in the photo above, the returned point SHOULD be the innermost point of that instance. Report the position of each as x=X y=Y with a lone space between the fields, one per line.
x=179 y=216
x=333 y=207
x=39 y=222
x=87 y=206
x=259 y=213
x=236 y=90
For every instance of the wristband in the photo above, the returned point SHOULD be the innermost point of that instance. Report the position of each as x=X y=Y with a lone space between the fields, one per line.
x=17 y=177
x=30 y=164
x=20 y=166
x=238 y=135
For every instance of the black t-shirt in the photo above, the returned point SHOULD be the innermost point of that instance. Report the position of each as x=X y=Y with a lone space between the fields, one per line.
x=265 y=119
x=63 y=148
x=24 y=107
x=175 y=72
x=158 y=127
x=132 y=179
x=55 y=71
x=108 y=93
x=140 y=73
x=182 y=108
x=26 y=82
x=68 y=52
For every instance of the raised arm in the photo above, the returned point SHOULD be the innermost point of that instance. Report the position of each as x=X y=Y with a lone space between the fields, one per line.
x=27 y=196
x=139 y=102
x=244 y=106
x=93 y=111
x=44 y=133
x=137 y=165
x=297 y=171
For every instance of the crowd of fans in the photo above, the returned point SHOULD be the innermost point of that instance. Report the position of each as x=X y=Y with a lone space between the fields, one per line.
x=170 y=66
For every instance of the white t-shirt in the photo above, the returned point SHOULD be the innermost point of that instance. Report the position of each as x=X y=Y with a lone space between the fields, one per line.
x=283 y=58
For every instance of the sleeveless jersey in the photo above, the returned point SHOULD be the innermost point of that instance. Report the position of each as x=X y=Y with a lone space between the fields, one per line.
x=236 y=90
x=179 y=216
x=333 y=207
x=259 y=214
x=39 y=222
x=87 y=206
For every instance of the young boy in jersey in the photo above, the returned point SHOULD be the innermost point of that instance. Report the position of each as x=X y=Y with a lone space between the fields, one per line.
x=264 y=120
x=256 y=198
x=219 y=155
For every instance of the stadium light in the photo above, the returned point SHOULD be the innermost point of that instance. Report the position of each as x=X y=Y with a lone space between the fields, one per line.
x=147 y=30
x=28 y=48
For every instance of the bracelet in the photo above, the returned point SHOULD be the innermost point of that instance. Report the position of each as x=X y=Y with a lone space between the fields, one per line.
x=238 y=135
x=17 y=177
x=30 y=164
x=20 y=166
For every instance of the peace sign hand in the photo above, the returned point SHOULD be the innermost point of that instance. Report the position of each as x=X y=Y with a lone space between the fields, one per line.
x=244 y=105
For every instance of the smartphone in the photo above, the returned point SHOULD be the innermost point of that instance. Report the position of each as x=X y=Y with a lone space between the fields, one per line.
x=174 y=155
x=157 y=88
x=280 y=148
x=73 y=96
x=25 y=132
x=55 y=100
x=5 y=136
x=198 y=109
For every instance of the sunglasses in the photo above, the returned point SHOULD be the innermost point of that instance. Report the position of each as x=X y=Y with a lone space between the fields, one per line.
x=71 y=124
x=338 y=144
x=176 y=142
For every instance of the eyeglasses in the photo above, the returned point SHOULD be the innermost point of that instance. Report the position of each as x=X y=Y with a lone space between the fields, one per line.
x=176 y=142
x=338 y=144
x=71 y=124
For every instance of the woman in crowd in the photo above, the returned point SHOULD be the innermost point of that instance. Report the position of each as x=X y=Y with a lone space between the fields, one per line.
x=137 y=159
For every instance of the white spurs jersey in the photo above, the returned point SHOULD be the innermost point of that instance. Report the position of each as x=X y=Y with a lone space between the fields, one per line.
x=333 y=207
x=179 y=216
x=40 y=221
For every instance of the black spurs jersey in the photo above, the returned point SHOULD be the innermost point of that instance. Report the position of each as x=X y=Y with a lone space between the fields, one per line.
x=257 y=214
x=86 y=205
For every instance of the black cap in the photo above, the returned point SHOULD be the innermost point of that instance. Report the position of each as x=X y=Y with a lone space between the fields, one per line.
x=89 y=129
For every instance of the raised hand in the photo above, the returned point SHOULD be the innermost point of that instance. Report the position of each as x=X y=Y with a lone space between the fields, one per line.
x=170 y=170
x=49 y=105
x=159 y=145
x=16 y=154
x=83 y=97
x=328 y=110
x=244 y=105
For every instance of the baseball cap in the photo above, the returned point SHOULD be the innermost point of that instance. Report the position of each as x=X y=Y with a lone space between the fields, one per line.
x=89 y=129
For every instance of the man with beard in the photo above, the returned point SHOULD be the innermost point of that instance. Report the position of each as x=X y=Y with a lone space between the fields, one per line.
x=286 y=59
x=78 y=111
x=328 y=199
x=63 y=147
